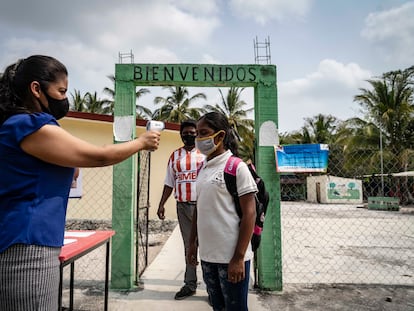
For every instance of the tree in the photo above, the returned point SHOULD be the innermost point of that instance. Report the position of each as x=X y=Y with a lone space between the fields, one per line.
x=388 y=105
x=320 y=129
x=176 y=107
x=77 y=102
x=233 y=107
x=96 y=105
x=89 y=103
x=359 y=142
x=142 y=112
x=389 y=110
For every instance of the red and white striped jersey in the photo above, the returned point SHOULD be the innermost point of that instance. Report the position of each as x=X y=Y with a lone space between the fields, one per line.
x=182 y=173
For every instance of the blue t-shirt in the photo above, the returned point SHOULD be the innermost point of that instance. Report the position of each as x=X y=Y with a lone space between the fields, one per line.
x=33 y=193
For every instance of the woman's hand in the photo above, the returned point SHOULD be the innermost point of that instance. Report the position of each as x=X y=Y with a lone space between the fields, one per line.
x=149 y=140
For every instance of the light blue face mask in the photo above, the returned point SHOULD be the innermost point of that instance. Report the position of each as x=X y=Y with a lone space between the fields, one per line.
x=206 y=145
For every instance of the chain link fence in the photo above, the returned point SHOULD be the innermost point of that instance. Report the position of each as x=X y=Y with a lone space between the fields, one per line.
x=329 y=236
x=90 y=208
x=322 y=242
x=142 y=227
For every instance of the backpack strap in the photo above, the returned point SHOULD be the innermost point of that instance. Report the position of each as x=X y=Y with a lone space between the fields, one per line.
x=231 y=165
x=230 y=170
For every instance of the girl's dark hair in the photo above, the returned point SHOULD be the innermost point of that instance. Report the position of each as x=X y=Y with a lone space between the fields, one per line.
x=16 y=79
x=218 y=121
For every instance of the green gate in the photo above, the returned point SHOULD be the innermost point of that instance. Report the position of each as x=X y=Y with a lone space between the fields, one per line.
x=263 y=79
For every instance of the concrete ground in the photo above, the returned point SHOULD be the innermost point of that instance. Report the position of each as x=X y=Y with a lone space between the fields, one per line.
x=162 y=279
x=164 y=275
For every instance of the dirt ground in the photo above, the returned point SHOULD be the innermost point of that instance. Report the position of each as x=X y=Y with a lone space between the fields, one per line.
x=314 y=297
x=294 y=297
x=348 y=297
x=326 y=297
x=159 y=232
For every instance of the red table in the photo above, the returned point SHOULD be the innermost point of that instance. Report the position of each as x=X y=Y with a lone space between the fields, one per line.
x=86 y=241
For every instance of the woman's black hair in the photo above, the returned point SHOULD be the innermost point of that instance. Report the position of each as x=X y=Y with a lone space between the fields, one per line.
x=218 y=121
x=16 y=79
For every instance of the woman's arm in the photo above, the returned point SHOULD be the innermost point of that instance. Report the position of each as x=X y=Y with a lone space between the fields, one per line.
x=236 y=271
x=54 y=145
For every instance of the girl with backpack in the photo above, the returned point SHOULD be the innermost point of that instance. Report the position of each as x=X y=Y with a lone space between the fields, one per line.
x=222 y=236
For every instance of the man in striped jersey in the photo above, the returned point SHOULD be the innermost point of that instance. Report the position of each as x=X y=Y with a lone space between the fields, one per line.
x=181 y=177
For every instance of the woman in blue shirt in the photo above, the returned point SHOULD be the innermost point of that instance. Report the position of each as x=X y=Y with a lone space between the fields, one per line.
x=37 y=160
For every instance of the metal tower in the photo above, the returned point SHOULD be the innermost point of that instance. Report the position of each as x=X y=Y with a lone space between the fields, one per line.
x=123 y=56
x=262 y=51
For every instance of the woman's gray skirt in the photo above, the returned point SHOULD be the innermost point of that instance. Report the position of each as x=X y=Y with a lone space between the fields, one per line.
x=29 y=278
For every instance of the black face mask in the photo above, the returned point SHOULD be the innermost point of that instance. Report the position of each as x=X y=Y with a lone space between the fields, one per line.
x=188 y=140
x=57 y=107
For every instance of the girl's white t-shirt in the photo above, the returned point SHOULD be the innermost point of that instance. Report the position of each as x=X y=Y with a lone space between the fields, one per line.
x=217 y=219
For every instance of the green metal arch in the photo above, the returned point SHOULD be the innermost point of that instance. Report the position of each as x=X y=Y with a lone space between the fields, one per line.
x=263 y=79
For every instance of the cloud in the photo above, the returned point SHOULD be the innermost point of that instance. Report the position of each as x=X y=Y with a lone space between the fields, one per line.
x=114 y=24
x=265 y=10
x=205 y=7
x=209 y=59
x=153 y=24
x=328 y=90
x=392 y=31
x=88 y=35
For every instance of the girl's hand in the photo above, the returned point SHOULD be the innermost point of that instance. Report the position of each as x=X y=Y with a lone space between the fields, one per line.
x=235 y=272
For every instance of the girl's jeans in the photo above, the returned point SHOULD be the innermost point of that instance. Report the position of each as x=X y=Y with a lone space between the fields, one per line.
x=223 y=295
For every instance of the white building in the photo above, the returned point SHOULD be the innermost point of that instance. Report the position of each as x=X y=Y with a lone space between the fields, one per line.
x=332 y=189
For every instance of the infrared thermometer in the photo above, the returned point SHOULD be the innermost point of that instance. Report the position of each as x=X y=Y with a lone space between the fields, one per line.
x=155 y=125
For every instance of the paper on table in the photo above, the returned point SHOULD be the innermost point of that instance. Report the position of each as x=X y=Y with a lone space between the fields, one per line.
x=82 y=234
x=68 y=241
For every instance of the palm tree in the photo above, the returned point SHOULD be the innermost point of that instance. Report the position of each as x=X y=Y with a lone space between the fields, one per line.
x=90 y=103
x=77 y=102
x=320 y=129
x=359 y=140
x=389 y=106
x=95 y=105
x=142 y=112
x=233 y=107
x=176 y=107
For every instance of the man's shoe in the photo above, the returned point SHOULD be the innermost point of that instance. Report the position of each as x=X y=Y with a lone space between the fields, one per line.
x=209 y=300
x=184 y=292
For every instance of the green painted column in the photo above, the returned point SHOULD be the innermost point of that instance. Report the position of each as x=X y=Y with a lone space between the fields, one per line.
x=269 y=256
x=124 y=190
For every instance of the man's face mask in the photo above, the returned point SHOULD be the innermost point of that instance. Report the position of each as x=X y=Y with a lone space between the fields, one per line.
x=57 y=107
x=188 y=140
x=206 y=145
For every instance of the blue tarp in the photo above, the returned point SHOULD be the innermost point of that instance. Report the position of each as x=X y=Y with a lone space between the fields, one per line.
x=302 y=158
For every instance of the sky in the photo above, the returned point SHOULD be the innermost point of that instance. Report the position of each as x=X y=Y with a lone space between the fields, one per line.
x=324 y=50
